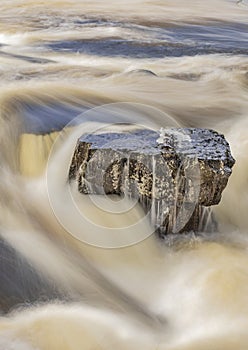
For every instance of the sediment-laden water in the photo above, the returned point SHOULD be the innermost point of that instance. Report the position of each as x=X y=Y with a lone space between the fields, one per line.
x=168 y=63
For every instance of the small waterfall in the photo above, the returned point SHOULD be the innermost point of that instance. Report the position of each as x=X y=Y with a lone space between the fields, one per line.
x=178 y=63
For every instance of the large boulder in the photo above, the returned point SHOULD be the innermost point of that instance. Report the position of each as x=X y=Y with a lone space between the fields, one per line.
x=173 y=173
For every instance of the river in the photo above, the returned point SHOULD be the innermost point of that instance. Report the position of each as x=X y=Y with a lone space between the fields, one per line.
x=160 y=63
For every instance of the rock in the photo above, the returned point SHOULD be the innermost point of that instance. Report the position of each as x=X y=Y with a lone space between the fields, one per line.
x=142 y=72
x=174 y=174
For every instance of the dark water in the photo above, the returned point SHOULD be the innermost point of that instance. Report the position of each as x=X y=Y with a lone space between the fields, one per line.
x=43 y=119
x=177 y=41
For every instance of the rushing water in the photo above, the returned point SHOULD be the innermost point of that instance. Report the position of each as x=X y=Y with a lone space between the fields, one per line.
x=186 y=59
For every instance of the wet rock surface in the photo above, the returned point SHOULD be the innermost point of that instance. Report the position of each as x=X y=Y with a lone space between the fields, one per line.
x=173 y=173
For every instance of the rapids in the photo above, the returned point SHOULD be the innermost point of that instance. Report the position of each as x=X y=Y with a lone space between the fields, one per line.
x=159 y=63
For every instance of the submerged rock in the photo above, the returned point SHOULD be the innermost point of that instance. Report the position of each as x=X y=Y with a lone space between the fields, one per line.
x=147 y=72
x=173 y=173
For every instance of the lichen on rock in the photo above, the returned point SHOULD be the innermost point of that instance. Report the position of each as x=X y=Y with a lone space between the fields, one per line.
x=173 y=173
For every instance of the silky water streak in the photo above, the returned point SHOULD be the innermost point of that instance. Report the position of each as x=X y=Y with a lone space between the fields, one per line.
x=61 y=59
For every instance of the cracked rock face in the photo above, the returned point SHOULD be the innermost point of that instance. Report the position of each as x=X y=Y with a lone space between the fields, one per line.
x=173 y=173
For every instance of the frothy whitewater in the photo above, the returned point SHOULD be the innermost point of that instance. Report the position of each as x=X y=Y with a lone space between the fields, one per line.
x=187 y=60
